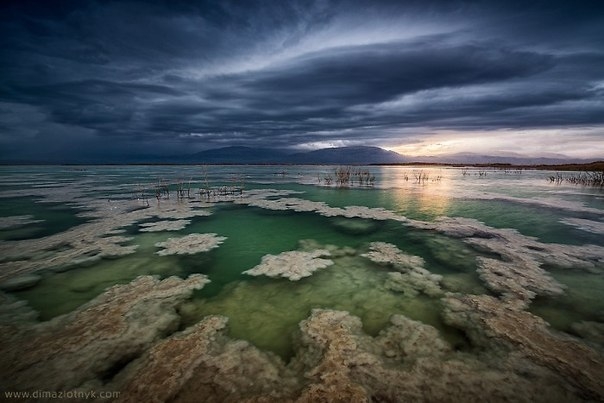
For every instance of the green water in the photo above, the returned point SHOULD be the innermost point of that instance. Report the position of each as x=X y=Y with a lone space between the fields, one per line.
x=267 y=312
x=54 y=218
x=251 y=233
x=62 y=292
x=582 y=300
x=542 y=223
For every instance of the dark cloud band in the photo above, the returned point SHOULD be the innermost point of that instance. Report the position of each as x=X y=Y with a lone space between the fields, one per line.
x=174 y=76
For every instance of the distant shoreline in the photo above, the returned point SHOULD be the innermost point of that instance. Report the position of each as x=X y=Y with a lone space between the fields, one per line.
x=590 y=166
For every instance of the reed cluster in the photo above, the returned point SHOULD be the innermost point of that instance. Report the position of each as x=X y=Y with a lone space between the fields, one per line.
x=347 y=176
x=421 y=176
x=557 y=179
x=587 y=178
x=182 y=188
x=140 y=193
x=162 y=190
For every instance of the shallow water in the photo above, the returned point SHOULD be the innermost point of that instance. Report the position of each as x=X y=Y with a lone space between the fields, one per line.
x=267 y=311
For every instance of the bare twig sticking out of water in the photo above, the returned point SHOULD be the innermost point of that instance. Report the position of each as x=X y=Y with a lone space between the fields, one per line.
x=237 y=184
x=342 y=176
x=365 y=178
x=235 y=187
x=557 y=179
x=141 y=194
x=420 y=176
x=180 y=189
x=509 y=170
x=162 y=190
x=183 y=187
x=205 y=191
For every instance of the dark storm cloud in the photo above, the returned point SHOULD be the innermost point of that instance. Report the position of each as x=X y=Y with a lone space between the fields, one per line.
x=377 y=73
x=166 y=76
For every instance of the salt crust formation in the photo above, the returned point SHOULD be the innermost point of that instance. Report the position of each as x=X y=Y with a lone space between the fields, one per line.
x=168 y=225
x=80 y=349
x=203 y=363
x=15 y=311
x=411 y=277
x=516 y=355
x=181 y=212
x=90 y=241
x=592 y=331
x=309 y=245
x=81 y=248
x=189 y=244
x=524 y=255
x=335 y=362
x=117 y=342
x=503 y=326
x=301 y=205
x=518 y=276
x=389 y=254
x=267 y=313
x=510 y=245
x=519 y=281
x=451 y=252
x=292 y=265
x=507 y=243
x=20 y=283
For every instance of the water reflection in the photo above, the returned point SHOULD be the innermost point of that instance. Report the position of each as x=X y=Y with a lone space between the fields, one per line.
x=423 y=192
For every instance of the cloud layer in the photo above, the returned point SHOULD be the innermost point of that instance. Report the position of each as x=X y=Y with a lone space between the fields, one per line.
x=117 y=78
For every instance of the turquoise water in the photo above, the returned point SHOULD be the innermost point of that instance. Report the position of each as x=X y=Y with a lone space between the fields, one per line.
x=266 y=311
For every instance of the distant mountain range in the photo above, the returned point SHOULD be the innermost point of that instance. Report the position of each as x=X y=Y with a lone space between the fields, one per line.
x=357 y=155
x=339 y=155
x=349 y=155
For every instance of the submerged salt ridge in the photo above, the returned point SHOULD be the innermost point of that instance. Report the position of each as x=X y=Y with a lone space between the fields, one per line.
x=512 y=355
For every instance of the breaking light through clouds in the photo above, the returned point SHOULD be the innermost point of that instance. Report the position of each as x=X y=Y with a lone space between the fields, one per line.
x=547 y=143
x=419 y=77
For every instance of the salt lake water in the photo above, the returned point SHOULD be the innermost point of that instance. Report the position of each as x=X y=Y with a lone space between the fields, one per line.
x=38 y=203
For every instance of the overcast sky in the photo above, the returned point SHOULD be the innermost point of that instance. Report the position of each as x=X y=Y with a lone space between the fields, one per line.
x=419 y=77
